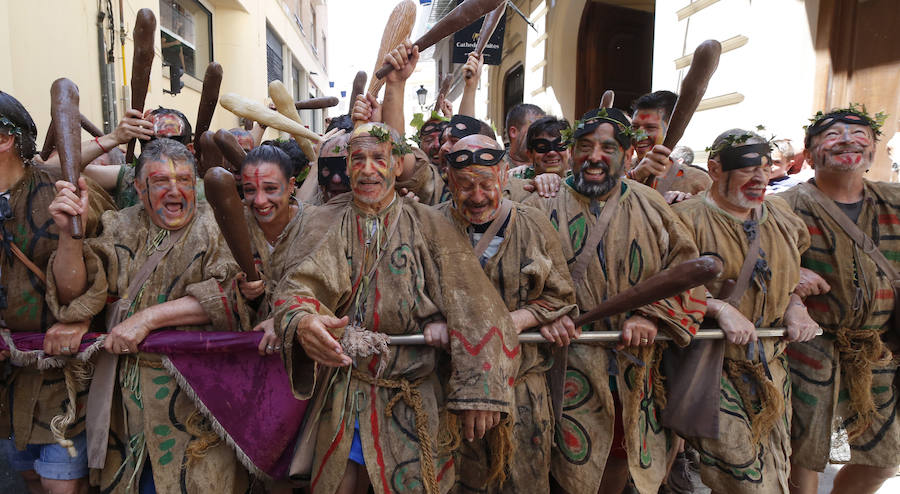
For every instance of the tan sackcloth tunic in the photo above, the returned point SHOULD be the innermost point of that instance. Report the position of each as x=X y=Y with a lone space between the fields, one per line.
x=736 y=463
x=643 y=238
x=151 y=413
x=861 y=300
x=427 y=272
x=687 y=179
x=515 y=189
x=426 y=182
x=37 y=396
x=530 y=273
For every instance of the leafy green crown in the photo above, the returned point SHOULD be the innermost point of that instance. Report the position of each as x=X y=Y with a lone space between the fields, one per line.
x=732 y=141
x=876 y=122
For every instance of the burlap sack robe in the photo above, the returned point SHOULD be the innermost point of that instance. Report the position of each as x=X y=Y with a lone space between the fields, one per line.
x=529 y=271
x=426 y=182
x=37 y=396
x=428 y=271
x=738 y=462
x=847 y=370
x=152 y=418
x=643 y=238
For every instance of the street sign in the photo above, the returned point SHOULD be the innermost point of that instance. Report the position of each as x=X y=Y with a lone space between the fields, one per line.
x=464 y=42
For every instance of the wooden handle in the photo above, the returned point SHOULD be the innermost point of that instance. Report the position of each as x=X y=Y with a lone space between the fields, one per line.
x=50 y=138
x=706 y=59
x=666 y=283
x=141 y=63
x=491 y=20
x=66 y=119
x=210 y=156
x=458 y=18
x=397 y=29
x=359 y=84
x=444 y=88
x=222 y=195
x=316 y=103
x=49 y=142
x=608 y=98
x=284 y=103
x=258 y=112
x=231 y=149
x=89 y=127
x=209 y=97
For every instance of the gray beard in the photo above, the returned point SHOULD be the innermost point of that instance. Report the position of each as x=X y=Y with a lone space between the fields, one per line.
x=593 y=189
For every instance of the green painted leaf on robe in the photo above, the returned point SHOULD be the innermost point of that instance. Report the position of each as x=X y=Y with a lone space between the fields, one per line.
x=162 y=380
x=166 y=458
x=162 y=393
x=162 y=430
x=167 y=444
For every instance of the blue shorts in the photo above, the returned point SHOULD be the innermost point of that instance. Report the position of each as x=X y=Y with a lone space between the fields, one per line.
x=356 y=451
x=50 y=461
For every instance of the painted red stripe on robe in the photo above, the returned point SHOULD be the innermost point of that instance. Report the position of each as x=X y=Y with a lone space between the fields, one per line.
x=476 y=349
x=328 y=453
x=803 y=359
x=888 y=219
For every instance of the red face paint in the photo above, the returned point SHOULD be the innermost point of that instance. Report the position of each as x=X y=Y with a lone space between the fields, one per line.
x=371 y=168
x=652 y=123
x=843 y=147
x=266 y=192
x=598 y=147
x=477 y=191
x=169 y=193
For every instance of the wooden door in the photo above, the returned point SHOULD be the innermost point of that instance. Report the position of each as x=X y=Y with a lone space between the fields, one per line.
x=861 y=64
x=615 y=51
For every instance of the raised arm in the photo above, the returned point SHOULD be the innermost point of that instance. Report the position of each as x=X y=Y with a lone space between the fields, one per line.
x=472 y=72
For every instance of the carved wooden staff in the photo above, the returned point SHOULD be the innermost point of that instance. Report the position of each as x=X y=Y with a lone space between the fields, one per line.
x=209 y=97
x=64 y=101
x=210 y=156
x=359 y=84
x=221 y=193
x=316 y=103
x=285 y=106
x=141 y=63
x=703 y=66
x=491 y=20
x=231 y=149
x=50 y=137
x=608 y=98
x=397 y=30
x=258 y=112
x=458 y=18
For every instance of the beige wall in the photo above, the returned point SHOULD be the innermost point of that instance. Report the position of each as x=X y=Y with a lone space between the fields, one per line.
x=61 y=41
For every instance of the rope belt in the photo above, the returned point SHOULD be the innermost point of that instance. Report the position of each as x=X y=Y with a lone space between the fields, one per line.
x=409 y=393
x=859 y=349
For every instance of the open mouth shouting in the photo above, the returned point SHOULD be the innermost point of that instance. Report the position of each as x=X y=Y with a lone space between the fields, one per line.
x=595 y=172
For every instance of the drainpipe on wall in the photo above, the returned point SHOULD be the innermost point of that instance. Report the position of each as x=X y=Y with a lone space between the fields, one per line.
x=107 y=76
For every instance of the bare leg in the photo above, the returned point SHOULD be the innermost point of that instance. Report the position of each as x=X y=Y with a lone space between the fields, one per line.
x=615 y=476
x=32 y=482
x=803 y=480
x=861 y=479
x=75 y=486
x=355 y=480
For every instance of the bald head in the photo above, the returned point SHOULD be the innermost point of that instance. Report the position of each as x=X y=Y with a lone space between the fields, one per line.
x=476 y=141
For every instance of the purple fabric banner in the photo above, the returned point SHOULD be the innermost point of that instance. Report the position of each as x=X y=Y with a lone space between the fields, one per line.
x=249 y=395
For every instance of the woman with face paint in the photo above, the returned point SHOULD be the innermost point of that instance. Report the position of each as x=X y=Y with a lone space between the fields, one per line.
x=273 y=217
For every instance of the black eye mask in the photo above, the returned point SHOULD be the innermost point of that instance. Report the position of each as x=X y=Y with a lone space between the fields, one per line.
x=464 y=126
x=546 y=145
x=745 y=156
x=331 y=166
x=433 y=127
x=485 y=156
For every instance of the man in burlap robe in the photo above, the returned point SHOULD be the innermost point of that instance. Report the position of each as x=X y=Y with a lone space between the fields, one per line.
x=525 y=263
x=154 y=424
x=652 y=164
x=613 y=397
x=845 y=380
x=31 y=398
x=751 y=454
x=389 y=266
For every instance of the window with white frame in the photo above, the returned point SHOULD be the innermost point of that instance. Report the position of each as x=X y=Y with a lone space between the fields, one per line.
x=186 y=35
